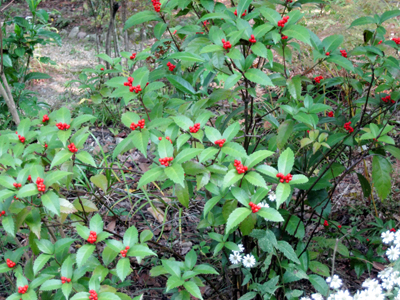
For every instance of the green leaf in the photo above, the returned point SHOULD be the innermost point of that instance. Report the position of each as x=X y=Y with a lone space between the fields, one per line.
x=36 y=75
x=362 y=21
x=236 y=217
x=45 y=246
x=205 y=269
x=257 y=157
x=183 y=122
x=319 y=284
x=183 y=194
x=51 y=201
x=210 y=204
x=140 y=140
x=108 y=296
x=81 y=296
x=123 y=268
x=270 y=214
x=212 y=134
x=86 y=158
x=8 y=225
x=186 y=155
x=187 y=56
x=193 y=289
x=259 y=49
x=159 y=30
x=211 y=48
x=150 y=176
x=234 y=149
x=175 y=173
x=52 y=284
x=84 y=253
x=40 y=261
x=66 y=289
x=165 y=148
x=27 y=191
x=100 y=181
x=297 y=32
x=141 y=17
x=393 y=150
x=242 y=6
x=54 y=176
x=181 y=84
x=172 y=267
x=257 y=76
x=256 y=179
x=131 y=236
x=389 y=14
x=231 y=131
x=286 y=161
x=129 y=117
x=381 y=176
x=298 y=179
x=7 y=182
x=61 y=157
x=271 y=15
x=319 y=268
x=288 y=251
x=207 y=154
x=66 y=268
x=365 y=185
x=294 y=86
x=231 y=178
x=232 y=80
x=284 y=132
x=174 y=282
x=282 y=193
x=341 y=61
x=96 y=224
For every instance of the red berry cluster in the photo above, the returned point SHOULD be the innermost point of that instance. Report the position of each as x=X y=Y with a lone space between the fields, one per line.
x=281 y=23
x=326 y=223
x=92 y=237
x=17 y=185
x=344 y=53
x=387 y=99
x=165 y=161
x=40 y=186
x=156 y=5
x=140 y=124
x=226 y=44
x=284 y=37
x=45 y=118
x=22 y=289
x=93 y=295
x=239 y=167
x=330 y=114
x=254 y=207
x=348 y=127
x=72 y=148
x=65 y=279
x=380 y=42
x=205 y=23
x=129 y=82
x=20 y=137
x=123 y=252
x=220 y=143
x=396 y=40
x=10 y=263
x=289 y=1
x=327 y=53
x=392 y=230
x=16 y=198
x=62 y=126
x=133 y=56
x=252 y=39
x=160 y=138
x=318 y=79
x=284 y=178
x=29 y=178
x=171 y=67
x=101 y=69
x=243 y=14
x=135 y=89
x=194 y=128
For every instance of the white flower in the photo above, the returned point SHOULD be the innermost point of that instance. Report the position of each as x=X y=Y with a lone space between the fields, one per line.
x=388 y=284
x=393 y=253
x=385 y=273
x=317 y=296
x=241 y=248
x=397 y=238
x=263 y=204
x=272 y=196
x=249 y=261
x=334 y=282
x=305 y=298
x=387 y=237
x=343 y=295
x=235 y=258
x=371 y=284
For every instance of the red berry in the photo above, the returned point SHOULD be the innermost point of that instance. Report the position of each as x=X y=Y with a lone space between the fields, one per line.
x=102 y=69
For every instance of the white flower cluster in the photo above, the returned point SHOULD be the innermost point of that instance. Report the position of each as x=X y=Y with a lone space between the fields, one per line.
x=387 y=287
x=238 y=257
